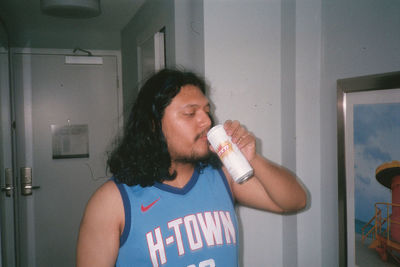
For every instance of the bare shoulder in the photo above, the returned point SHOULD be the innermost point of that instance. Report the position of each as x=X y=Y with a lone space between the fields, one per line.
x=101 y=227
x=108 y=192
x=106 y=203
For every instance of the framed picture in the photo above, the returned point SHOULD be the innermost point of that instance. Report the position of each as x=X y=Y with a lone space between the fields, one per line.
x=70 y=141
x=368 y=162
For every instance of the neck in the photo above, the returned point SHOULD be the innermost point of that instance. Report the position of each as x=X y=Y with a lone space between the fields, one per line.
x=184 y=172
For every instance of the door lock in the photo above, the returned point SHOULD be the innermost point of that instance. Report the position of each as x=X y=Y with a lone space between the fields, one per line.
x=26 y=181
x=8 y=187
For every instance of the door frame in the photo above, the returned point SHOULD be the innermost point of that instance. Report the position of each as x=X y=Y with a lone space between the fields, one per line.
x=8 y=255
x=158 y=38
x=17 y=194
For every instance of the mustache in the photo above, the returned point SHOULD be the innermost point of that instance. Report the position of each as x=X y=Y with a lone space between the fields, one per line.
x=200 y=135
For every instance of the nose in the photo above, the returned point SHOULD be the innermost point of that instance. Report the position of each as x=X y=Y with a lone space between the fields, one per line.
x=204 y=120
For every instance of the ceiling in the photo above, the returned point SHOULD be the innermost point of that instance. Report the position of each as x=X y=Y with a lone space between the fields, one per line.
x=29 y=27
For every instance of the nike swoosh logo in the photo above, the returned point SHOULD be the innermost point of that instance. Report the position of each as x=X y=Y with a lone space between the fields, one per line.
x=146 y=208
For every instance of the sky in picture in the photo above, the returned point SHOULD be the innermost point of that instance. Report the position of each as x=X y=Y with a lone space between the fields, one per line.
x=376 y=141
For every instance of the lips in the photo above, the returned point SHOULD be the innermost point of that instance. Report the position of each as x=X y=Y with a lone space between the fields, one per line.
x=202 y=136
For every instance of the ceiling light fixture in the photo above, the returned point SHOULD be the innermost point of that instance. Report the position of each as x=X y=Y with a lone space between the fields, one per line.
x=71 y=8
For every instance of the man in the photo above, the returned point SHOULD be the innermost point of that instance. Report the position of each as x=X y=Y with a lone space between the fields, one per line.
x=170 y=203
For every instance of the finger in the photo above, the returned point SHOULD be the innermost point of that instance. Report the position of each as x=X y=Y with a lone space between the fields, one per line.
x=227 y=125
x=239 y=134
x=231 y=127
x=242 y=138
x=246 y=140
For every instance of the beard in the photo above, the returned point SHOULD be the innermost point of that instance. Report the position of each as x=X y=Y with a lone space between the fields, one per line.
x=194 y=158
x=209 y=158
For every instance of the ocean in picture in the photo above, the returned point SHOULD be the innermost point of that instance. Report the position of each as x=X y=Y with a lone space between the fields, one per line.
x=360 y=224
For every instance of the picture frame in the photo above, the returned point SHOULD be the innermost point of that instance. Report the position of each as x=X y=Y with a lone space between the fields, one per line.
x=355 y=97
x=70 y=141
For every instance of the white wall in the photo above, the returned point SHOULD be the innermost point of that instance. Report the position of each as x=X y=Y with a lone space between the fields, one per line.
x=151 y=18
x=288 y=102
x=67 y=39
x=308 y=127
x=189 y=35
x=242 y=63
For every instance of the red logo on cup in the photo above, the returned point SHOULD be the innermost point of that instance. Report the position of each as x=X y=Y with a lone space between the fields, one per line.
x=224 y=149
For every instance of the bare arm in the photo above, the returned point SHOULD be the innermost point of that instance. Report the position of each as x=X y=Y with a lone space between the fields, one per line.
x=272 y=187
x=101 y=227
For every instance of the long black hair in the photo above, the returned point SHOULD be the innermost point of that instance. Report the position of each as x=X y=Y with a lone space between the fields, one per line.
x=141 y=155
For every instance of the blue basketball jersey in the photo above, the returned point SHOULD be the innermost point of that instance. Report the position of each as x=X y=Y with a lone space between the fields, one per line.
x=194 y=226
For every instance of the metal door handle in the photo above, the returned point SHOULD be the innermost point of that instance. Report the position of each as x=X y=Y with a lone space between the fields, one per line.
x=8 y=187
x=26 y=181
x=31 y=187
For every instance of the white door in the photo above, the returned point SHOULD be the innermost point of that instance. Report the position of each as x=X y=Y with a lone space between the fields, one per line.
x=6 y=179
x=71 y=97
